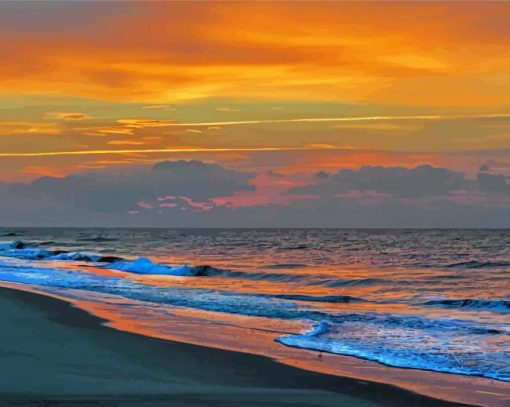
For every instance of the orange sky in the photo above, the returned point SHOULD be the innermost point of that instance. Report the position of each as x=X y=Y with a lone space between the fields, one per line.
x=230 y=82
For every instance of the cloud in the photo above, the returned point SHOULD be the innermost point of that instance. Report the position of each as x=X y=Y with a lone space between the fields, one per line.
x=491 y=183
x=423 y=180
x=226 y=109
x=160 y=107
x=68 y=116
x=84 y=152
x=322 y=175
x=490 y=164
x=141 y=123
x=199 y=194
x=304 y=120
x=349 y=212
x=126 y=142
x=118 y=193
x=32 y=128
x=299 y=55
x=274 y=174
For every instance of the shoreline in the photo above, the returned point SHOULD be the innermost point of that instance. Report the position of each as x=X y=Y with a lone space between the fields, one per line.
x=179 y=326
x=74 y=357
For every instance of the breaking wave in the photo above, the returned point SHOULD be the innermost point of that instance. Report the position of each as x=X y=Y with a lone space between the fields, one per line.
x=410 y=342
x=31 y=251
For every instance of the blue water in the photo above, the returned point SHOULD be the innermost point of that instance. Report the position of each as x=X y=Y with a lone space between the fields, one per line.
x=434 y=300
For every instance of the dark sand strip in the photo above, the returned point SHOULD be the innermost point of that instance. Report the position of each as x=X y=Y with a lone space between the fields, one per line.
x=54 y=354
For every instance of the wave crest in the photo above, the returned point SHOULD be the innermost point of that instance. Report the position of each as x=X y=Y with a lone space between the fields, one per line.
x=30 y=251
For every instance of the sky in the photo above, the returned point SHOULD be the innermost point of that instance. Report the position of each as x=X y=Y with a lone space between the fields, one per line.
x=255 y=114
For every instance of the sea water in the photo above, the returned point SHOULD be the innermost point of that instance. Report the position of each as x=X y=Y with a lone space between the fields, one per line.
x=423 y=299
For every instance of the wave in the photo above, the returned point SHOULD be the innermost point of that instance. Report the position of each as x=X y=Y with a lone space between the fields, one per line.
x=319 y=329
x=30 y=251
x=14 y=270
x=272 y=306
x=258 y=276
x=285 y=266
x=15 y=244
x=473 y=304
x=305 y=279
x=351 y=282
x=406 y=343
x=475 y=264
x=467 y=347
x=146 y=266
x=98 y=239
x=345 y=299
x=10 y=234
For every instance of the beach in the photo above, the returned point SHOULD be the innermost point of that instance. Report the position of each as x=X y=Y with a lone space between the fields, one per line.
x=56 y=354
x=255 y=203
x=207 y=317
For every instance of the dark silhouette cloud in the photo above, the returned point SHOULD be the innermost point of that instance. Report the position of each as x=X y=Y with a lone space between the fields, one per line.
x=322 y=175
x=397 y=181
x=492 y=164
x=492 y=183
x=117 y=193
x=274 y=174
x=183 y=194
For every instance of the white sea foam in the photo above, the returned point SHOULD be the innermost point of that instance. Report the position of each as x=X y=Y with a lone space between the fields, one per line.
x=146 y=266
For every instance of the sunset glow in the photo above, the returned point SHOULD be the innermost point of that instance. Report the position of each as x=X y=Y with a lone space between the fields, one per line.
x=293 y=88
x=255 y=202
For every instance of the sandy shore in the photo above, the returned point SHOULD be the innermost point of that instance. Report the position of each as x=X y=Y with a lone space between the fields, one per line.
x=56 y=354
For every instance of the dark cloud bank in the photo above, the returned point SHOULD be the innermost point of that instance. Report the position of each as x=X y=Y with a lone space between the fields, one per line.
x=182 y=193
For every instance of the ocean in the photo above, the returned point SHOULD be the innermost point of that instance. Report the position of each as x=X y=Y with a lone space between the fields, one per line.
x=435 y=300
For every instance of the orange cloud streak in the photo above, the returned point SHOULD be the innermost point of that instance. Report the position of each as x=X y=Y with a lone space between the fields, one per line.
x=158 y=150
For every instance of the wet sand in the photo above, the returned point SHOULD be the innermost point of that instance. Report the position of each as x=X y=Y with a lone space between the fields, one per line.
x=55 y=354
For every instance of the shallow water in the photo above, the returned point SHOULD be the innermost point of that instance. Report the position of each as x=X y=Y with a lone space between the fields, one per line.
x=434 y=300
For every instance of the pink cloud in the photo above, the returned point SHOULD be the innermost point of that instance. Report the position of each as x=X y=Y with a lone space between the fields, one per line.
x=198 y=205
x=203 y=206
x=270 y=189
x=168 y=205
x=167 y=198
x=144 y=205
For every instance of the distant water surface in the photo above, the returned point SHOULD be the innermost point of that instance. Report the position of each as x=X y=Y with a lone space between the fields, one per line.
x=425 y=299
